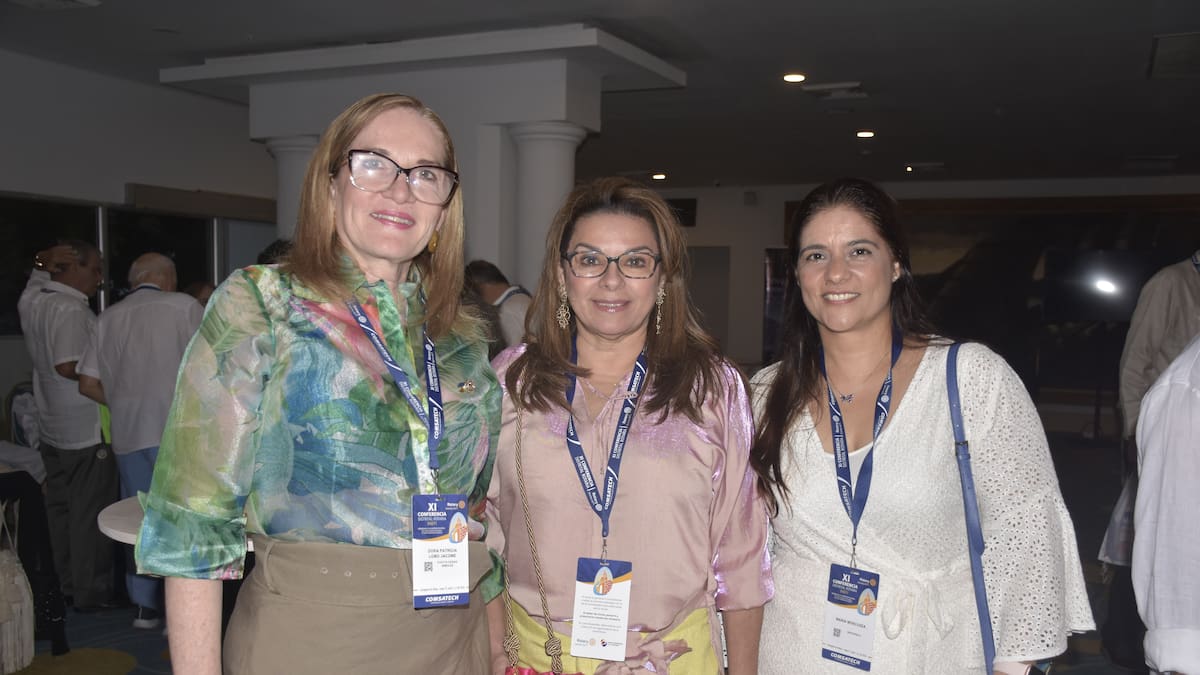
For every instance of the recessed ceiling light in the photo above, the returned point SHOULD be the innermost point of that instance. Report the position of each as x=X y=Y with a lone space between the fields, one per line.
x=794 y=77
x=865 y=133
x=658 y=176
x=908 y=168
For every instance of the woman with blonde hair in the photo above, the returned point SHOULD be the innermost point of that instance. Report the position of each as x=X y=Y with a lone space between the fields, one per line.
x=322 y=405
x=618 y=382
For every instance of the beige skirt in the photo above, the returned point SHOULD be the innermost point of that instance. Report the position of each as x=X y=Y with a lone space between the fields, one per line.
x=325 y=608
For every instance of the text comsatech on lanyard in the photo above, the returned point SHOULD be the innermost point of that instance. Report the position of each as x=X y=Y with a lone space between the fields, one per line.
x=849 y=631
x=433 y=419
x=855 y=501
x=602 y=505
x=440 y=570
x=600 y=620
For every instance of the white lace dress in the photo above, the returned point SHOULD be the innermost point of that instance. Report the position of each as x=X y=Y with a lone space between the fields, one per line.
x=913 y=534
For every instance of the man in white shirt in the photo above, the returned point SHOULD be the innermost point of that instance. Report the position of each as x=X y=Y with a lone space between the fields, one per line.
x=81 y=473
x=512 y=302
x=1166 y=546
x=1165 y=320
x=130 y=365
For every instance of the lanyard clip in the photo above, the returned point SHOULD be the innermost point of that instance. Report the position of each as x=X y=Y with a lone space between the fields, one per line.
x=604 y=550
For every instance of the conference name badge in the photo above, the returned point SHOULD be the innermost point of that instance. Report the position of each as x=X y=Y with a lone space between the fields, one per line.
x=849 y=634
x=441 y=574
x=600 y=622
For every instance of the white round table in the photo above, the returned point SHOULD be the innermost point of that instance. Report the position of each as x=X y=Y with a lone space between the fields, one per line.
x=121 y=520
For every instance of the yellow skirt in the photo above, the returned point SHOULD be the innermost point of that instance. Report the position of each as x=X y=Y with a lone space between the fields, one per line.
x=694 y=631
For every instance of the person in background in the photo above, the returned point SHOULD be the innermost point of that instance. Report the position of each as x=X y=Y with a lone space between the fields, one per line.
x=511 y=301
x=1165 y=319
x=491 y=318
x=201 y=291
x=1166 y=545
x=130 y=365
x=618 y=379
x=856 y=449
x=81 y=473
x=322 y=401
x=275 y=252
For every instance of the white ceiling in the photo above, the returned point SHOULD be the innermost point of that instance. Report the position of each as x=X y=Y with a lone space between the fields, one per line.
x=990 y=88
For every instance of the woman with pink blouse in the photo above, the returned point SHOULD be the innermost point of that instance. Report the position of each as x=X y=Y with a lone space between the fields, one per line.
x=624 y=451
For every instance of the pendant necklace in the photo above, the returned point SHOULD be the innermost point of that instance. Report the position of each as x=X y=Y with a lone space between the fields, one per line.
x=849 y=397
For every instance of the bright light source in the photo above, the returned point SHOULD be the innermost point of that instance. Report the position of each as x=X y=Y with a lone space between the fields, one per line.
x=1106 y=286
x=658 y=176
x=908 y=169
x=794 y=77
x=865 y=133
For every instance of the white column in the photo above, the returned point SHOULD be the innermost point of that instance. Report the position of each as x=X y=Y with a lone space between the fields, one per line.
x=291 y=155
x=545 y=174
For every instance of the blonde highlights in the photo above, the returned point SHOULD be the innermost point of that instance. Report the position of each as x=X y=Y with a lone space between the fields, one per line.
x=316 y=254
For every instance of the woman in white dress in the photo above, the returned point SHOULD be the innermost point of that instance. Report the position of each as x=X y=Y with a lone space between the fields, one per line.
x=854 y=336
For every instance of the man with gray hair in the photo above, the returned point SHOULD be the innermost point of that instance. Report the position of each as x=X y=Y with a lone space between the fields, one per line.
x=131 y=365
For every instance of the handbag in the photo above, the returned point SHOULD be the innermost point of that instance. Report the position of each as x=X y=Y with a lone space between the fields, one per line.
x=512 y=643
x=16 y=606
x=962 y=452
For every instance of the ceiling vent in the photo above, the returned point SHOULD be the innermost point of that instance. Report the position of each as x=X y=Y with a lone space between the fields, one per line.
x=1150 y=163
x=56 y=4
x=835 y=91
x=925 y=168
x=1175 y=56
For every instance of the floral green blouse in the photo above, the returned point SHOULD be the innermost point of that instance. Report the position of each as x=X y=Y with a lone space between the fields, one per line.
x=286 y=423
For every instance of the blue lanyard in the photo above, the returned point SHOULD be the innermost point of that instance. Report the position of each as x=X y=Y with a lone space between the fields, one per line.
x=603 y=505
x=855 y=501
x=433 y=385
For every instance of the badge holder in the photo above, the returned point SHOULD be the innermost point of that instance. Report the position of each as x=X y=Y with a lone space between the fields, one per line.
x=441 y=572
x=849 y=634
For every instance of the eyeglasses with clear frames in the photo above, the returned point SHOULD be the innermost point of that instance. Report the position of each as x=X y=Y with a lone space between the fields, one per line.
x=373 y=172
x=631 y=264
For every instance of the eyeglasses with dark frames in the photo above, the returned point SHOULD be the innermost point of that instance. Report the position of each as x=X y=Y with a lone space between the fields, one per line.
x=631 y=264
x=373 y=172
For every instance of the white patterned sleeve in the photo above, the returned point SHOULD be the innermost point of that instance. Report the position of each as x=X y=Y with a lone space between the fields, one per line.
x=1034 y=579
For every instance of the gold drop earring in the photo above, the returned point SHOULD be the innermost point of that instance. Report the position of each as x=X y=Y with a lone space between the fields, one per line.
x=563 y=314
x=658 y=304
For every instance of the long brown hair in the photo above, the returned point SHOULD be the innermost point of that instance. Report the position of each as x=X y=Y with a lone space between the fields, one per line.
x=683 y=360
x=798 y=381
x=316 y=254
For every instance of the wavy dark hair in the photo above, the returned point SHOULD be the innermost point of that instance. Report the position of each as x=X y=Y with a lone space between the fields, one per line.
x=682 y=363
x=798 y=381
